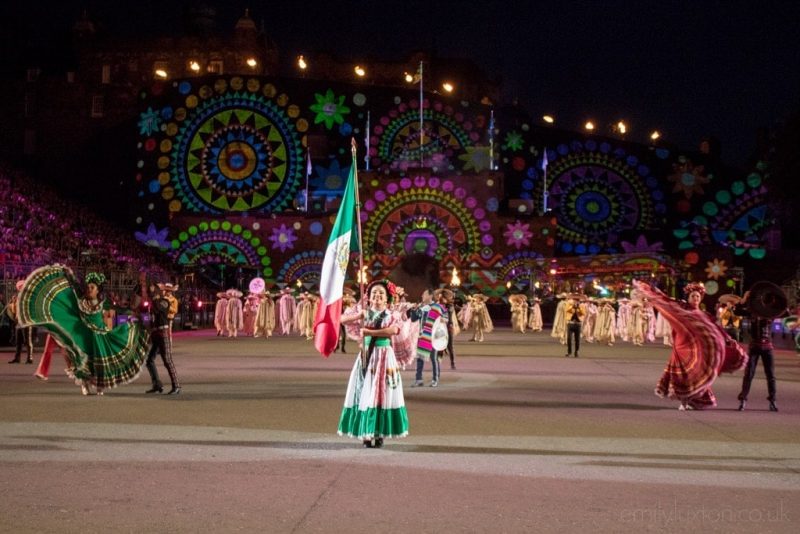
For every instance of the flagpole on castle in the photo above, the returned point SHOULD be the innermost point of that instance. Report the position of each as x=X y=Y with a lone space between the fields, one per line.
x=366 y=145
x=544 y=188
x=421 y=105
x=308 y=174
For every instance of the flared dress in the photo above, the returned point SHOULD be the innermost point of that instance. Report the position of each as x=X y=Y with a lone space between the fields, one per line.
x=700 y=351
x=374 y=406
x=106 y=358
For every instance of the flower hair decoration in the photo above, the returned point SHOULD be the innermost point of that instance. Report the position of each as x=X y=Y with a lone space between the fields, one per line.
x=391 y=288
x=97 y=279
x=694 y=286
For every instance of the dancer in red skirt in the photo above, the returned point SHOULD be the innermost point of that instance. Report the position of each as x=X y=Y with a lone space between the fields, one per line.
x=700 y=349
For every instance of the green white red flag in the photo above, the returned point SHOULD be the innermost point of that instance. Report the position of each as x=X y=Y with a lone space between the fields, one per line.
x=343 y=240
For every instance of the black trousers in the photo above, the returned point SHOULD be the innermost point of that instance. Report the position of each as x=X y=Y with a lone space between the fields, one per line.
x=573 y=331
x=750 y=372
x=449 y=348
x=161 y=343
x=25 y=338
x=342 y=338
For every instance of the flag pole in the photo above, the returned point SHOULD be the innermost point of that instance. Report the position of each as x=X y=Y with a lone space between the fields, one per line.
x=360 y=275
x=308 y=174
x=544 y=189
x=492 y=166
x=366 y=144
x=421 y=105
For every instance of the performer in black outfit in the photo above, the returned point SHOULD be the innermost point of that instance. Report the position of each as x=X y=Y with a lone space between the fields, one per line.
x=161 y=342
x=760 y=347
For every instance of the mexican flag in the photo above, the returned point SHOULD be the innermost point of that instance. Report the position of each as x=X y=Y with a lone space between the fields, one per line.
x=343 y=240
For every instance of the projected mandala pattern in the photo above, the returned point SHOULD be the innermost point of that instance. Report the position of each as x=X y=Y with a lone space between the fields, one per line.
x=425 y=215
x=519 y=266
x=597 y=193
x=447 y=132
x=736 y=218
x=305 y=266
x=231 y=148
x=220 y=242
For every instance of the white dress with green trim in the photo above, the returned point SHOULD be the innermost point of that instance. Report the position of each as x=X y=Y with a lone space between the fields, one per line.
x=374 y=406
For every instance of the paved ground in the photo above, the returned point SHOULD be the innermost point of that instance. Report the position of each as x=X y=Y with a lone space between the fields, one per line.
x=518 y=439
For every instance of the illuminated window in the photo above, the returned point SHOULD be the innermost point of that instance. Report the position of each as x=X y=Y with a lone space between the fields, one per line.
x=105 y=77
x=97 y=106
x=215 y=66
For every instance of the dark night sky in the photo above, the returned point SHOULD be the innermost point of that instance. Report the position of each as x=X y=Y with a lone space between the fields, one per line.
x=687 y=68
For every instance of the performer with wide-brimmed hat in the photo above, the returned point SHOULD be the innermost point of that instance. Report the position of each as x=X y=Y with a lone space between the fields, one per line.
x=479 y=319
x=535 y=322
x=519 y=312
x=287 y=308
x=234 y=315
x=219 y=312
x=574 y=314
x=764 y=302
x=447 y=299
x=161 y=341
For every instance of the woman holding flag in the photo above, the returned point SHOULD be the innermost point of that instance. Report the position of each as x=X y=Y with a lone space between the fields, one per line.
x=374 y=407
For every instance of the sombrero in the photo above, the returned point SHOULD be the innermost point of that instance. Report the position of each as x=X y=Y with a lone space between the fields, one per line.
x=167 y=286
x=767 y=300
x=730 y=298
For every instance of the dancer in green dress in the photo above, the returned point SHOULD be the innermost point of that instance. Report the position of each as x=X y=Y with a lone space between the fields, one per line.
x=100 y=357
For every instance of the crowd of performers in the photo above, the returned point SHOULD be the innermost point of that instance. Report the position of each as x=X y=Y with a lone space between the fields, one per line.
x=391 y=333
x=79 y=321
x=703 y=345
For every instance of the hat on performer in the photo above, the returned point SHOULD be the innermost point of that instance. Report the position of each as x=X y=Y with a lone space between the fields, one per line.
x=446 y=294
x=767 y=300
x=730 y=298
x=168 y=287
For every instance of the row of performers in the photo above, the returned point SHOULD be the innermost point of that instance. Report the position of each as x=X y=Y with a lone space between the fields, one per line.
x=635 y=321
x=261 y=315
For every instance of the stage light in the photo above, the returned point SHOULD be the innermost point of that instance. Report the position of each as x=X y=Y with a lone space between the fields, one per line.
x=194 y=65
x=360 y=72
x=301 y=63
x=160 y=73
x=408 y=77
x=655 y=135
x=251 y=62
x=199 y=303
x=548 y=119
x=622 y=127
x=447 y=86
x=553 y=271
x=589 y=125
